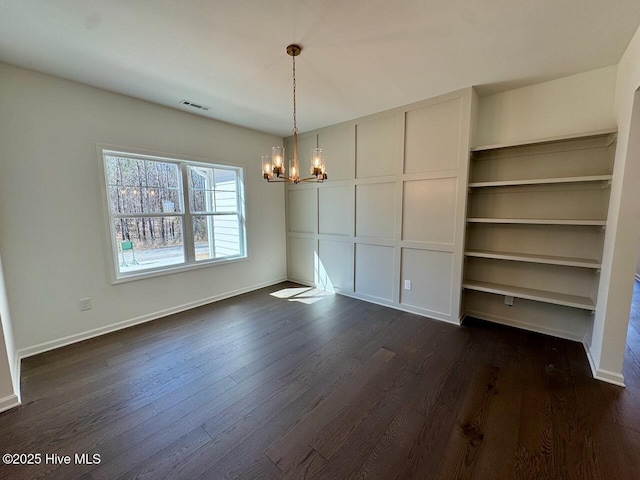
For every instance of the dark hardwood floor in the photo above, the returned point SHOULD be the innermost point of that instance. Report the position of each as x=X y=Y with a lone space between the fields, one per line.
x=264 y=387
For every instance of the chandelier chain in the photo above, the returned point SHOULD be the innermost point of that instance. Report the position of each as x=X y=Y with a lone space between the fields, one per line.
x=295 y=125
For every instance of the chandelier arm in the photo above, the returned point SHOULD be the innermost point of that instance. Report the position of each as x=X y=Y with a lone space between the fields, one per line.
x=310 y=179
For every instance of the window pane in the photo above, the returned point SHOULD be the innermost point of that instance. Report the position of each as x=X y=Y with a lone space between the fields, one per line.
x=131 y=200
x=226 y=193
x=201 y=193
x=227 y=235
x=226 y=201
x=202 y=201
x=138 y=186
x=199 y=177
x=225 y=179
x=125 y=171
x=217 y=236
x=165 y=200
x=145 y=243
x=213 y=190
x=161 y=174
x=128 y=199
x=112 y=170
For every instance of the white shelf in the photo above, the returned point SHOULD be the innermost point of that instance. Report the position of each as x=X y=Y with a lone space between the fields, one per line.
x=533 y=258
x=542 y=181
x=560 y=138
x=555 y=298
x=538 y=221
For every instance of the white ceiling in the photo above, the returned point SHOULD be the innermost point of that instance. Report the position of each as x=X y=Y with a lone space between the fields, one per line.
x=359 y=56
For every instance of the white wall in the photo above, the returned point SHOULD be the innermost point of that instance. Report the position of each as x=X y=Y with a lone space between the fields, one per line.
x=579 y=103
x=621 y=242
x=392 y=210
x=9 y=374
x=52 y=238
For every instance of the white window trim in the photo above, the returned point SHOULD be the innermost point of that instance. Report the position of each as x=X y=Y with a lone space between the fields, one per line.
x=189 y=247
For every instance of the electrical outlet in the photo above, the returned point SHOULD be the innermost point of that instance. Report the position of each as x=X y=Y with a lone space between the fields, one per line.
x=407 y=284
x=85 y=304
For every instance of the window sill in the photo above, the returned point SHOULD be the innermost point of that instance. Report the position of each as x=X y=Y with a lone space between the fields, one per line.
x=131 y=277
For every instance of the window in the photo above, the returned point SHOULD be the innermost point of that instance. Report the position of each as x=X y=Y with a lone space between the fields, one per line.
x=155 y=226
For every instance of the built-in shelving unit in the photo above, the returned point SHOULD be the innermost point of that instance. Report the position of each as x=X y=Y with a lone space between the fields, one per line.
x=539 y=221
x=536 y=216
x=547 y=140
x=533 y=258
x=543 y=181
x=555 y=298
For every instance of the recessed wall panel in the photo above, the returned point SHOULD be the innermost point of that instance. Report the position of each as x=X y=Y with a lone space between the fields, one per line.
x=429 y=208
x=336 y=210
x=375 y=210
x=334 y=269
x=339 y=149
x=374 y=271
x=430 y=273
x=377 y=147
x=432 y=137
x=301 y=205
x=301 y=258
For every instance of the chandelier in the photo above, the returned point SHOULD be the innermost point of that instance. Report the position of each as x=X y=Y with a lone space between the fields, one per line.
x=273 y=169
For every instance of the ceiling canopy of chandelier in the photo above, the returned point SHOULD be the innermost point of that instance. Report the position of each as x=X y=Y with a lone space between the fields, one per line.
x=273 y=169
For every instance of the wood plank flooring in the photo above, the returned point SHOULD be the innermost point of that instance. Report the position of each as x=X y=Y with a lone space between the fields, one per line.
x=324 y=387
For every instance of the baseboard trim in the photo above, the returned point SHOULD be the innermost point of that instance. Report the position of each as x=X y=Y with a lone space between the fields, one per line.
x=62 y=342
x=524 y=326
x=602 y=374
x=9 y=402
x=610 y=377
x=385 y=303
x=403 y=308
x=16 y=380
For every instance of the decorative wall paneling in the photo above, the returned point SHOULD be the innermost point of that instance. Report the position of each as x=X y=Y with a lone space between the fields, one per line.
x=392 y=210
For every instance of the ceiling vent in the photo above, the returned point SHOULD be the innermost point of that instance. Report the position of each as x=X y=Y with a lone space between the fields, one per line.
x=195 y=105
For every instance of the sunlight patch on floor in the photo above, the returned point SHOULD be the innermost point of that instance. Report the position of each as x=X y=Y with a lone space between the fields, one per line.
x=306 y=295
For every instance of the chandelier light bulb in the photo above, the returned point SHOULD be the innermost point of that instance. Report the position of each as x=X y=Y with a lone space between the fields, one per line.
x=317 y=163
x=267 y=167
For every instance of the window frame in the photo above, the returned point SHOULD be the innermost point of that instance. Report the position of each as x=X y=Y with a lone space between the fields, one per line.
x=188 y=240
